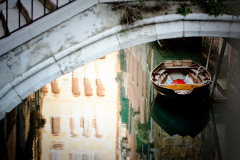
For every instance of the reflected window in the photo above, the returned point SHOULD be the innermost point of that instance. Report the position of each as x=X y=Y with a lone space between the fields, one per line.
x=86 y=128
x=90 y=155
x=85 y=157
x=44 y=90
x=96 y=157
x=81 y=122
x=75 y=87
x=88 y=87
x=55 y=126
x=54 y=155
x=55 y=87
x=76 y=126
x=98 y=135
x=73 y=128
x=100 y=88
x=103 y=57
x=97 y=130
x=75 y=156
x=94 y=122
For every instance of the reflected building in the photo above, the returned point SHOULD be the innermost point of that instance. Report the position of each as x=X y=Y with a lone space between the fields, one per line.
x=136 y=96
x=80 y=109
x=8 y=135
x=20 y=137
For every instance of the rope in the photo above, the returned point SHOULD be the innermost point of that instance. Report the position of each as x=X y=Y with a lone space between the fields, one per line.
x=199 y=70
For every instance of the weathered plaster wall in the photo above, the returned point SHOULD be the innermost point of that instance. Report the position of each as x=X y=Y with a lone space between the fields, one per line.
x=88 y=36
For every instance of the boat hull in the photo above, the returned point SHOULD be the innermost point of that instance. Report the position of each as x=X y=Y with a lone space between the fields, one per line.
x=197 y=93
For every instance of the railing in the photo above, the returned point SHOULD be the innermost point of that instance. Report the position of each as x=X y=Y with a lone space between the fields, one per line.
x=20 y=7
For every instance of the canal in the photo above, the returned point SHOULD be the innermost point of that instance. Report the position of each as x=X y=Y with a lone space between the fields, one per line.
x=108 y=109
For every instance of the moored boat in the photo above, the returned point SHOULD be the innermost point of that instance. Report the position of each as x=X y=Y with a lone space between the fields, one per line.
x=180 y=78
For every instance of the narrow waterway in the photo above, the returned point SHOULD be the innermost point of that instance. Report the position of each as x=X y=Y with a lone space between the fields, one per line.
x=108 y=110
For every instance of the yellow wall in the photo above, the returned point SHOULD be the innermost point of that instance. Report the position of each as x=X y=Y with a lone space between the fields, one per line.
x=68 y=106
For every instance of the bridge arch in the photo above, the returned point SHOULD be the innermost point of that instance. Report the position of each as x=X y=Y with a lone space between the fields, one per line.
x=26 y=81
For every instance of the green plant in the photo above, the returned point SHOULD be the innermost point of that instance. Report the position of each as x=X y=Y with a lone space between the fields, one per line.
x=217 y=8
x=133 y=12
x=142 y=3
x=183 y=11
x=141 y=131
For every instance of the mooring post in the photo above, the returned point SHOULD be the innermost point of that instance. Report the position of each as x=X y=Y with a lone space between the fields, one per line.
x=209 y=53
x=210 y=139
x=218 y=67
x=216 y=139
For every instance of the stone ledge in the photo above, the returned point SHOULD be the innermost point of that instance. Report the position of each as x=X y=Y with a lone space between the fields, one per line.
x=137 y=36
x=8 y=102
x=89 y=53
x=169 y=30
x=5 y=90
x=221 y=29
x=32 y=71
x=235 y=30
x=206 y=17
x=28 y=83
x=38 y=80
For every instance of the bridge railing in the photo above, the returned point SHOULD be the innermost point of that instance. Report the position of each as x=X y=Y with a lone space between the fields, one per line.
x=49 y=6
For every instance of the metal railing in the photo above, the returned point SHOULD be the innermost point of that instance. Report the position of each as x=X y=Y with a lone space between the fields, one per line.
x=20 y=7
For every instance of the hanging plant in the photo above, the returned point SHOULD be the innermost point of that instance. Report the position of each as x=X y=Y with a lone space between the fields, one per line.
x=217 y=8
x=183 y=11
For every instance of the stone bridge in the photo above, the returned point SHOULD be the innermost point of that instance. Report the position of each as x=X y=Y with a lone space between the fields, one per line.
x=84 y=31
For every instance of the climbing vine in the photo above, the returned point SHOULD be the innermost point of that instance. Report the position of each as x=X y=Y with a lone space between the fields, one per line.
x=132 y=12
x=217 y=8
x=135 y=11
x=141 y=131
x=183 y=11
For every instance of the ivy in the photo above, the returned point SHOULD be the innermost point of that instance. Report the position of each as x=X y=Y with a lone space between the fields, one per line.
x=141 y=131
x=217 y=8
x=142 y=3
x=133 y=12
x=183 y=11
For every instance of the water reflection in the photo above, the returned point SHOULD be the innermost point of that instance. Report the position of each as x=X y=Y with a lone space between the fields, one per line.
x=103 y=110
x=81 y=113
x=144 y=132
x=188 y=119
